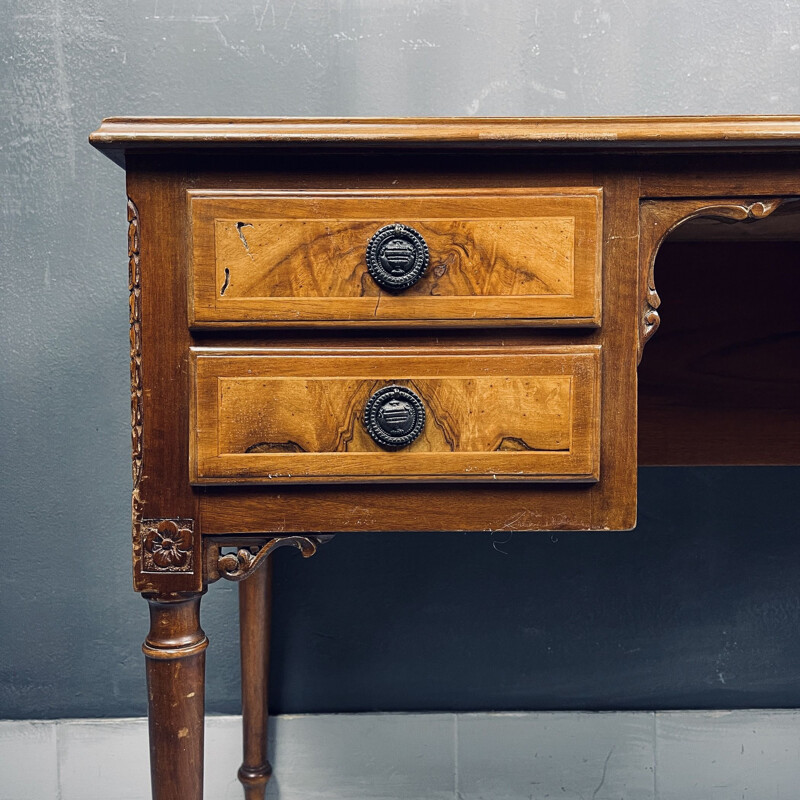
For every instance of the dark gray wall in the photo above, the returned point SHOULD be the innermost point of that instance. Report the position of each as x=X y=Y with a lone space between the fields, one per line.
x=694 y=608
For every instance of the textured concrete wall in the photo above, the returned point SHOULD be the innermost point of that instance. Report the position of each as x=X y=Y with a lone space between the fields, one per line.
x=70 y=626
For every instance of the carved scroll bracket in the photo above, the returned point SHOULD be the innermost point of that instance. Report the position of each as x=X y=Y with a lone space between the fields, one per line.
x=250 y=557
x=659 y=218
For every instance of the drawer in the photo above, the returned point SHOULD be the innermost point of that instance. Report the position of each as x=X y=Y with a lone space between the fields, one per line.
x=478 y=257
x=395 y=414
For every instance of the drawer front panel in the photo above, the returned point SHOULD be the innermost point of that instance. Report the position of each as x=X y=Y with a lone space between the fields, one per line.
x=519 y=257
x=490 y=414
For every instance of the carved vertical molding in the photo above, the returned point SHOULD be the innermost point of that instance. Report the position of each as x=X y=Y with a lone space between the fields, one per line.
x=659 y=218
x=166 y=556
x=135 y=292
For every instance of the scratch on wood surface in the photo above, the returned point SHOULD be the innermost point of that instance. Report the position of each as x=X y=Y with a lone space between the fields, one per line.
x=239 y=226
x=520 y=521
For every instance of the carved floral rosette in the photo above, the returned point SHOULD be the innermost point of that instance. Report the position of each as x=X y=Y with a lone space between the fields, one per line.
x=167 y=545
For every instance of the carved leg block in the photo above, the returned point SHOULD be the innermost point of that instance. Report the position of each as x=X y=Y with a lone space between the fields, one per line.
x=254 y=623
x=175 y=657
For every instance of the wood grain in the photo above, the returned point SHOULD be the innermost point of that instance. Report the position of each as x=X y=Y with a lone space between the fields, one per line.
x=510 y=257
x=490 y=414
x=255 y=618
x=118 y=135
x=176 y=661
x=160 y=344
x=610 y=503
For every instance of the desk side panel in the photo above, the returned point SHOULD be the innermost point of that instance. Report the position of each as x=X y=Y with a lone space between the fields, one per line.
x=166 y=534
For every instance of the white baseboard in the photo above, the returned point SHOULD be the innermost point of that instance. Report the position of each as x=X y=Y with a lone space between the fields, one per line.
x=678 y=755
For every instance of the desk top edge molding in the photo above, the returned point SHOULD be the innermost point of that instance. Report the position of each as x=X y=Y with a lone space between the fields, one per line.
x=116 y=135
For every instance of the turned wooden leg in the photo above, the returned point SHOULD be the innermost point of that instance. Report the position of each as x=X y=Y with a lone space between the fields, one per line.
x=254 y=625
x=175 y=656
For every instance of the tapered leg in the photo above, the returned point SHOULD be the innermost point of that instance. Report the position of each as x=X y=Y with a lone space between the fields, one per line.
x=175 y=657
x=254 y=624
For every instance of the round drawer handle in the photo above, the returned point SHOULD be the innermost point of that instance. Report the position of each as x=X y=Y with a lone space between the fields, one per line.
x=397 y=257
x=394 y=416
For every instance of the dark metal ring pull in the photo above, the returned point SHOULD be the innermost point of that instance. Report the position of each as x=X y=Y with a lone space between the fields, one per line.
x=394 y=417
x=397 y=257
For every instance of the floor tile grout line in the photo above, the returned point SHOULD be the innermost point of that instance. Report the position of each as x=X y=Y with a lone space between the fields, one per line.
x=57 y=734
x=655 y=756
x=456 y=776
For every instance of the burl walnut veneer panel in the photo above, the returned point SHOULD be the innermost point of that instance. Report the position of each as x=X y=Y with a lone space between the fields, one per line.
x=283 y=416
x=516 y=256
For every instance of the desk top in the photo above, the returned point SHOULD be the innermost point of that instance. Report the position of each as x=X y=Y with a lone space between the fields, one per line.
x=118 y=135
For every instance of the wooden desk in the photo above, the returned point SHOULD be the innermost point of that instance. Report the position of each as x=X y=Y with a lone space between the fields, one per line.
x=431 y=324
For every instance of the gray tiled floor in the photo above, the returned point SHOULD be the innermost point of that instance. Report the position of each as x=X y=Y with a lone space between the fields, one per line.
x=746 y=755
x=390 y=758
x=28 y=761
x=565 y=755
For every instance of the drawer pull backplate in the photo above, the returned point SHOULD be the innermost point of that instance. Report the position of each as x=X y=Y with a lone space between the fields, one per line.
x=394 y=416
x=397 y=257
